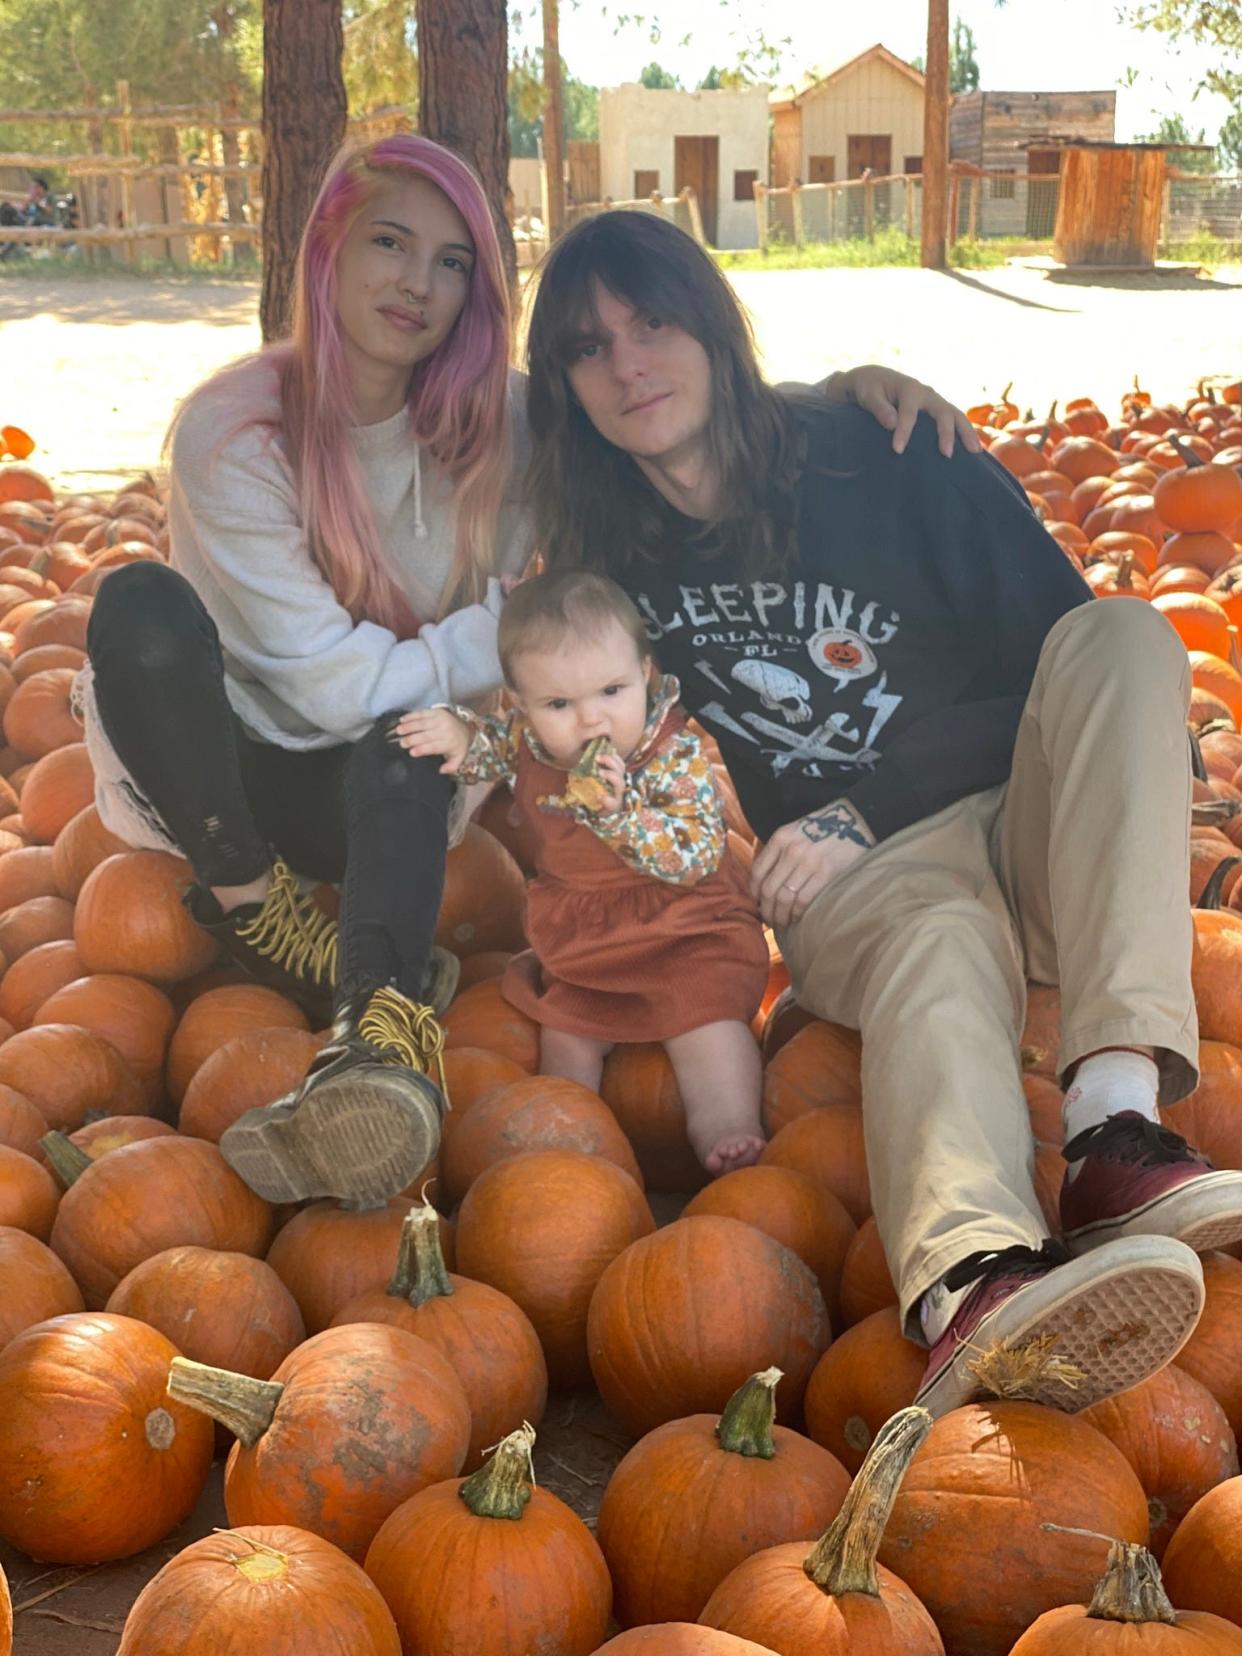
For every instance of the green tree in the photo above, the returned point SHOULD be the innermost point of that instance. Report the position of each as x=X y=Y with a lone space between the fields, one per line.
x=526 y=104
x=1216 y=24
x=963 y=64
x=659 y=79
x=380 y=61
x=724 y=80
x=1172 y=130
x=1229 y=144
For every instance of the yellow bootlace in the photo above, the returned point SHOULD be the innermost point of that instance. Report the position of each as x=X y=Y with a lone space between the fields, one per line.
x=405 y=1033
x=291 y=931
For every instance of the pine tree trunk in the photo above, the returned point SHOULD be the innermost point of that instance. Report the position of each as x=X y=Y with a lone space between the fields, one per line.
x=463 y=65
x=553 y=118
x=936 y=135
x=303 y=125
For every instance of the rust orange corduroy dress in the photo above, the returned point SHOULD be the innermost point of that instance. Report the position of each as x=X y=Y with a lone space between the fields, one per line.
x=623 y=956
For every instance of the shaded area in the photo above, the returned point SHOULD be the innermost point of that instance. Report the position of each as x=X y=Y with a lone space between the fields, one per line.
x=119 y=300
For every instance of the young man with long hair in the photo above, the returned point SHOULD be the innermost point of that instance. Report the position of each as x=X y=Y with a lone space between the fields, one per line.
x=954 y=760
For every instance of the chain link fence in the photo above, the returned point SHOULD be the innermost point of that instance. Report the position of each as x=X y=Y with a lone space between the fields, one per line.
x=1202 y=205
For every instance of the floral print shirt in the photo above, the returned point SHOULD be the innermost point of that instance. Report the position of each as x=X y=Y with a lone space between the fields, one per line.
x=670 y=824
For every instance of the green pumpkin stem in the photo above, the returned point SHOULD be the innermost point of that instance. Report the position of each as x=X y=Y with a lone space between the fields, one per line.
x=64 y=1157
x=745 y=1425
x=421 y=1273
x=502 y=1486
x=1130 y=1590
x=246 y=1407
x=843 y=1559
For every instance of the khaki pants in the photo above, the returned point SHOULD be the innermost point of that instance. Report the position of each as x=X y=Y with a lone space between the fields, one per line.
x=1075 y=873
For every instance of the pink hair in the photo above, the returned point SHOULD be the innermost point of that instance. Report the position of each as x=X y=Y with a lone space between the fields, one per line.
x=458 y=398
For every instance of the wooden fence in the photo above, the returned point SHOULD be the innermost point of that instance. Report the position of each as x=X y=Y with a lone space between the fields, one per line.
x=179 y=202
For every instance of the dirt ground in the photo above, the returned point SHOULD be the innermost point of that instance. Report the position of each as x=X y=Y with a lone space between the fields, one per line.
x=93 y=366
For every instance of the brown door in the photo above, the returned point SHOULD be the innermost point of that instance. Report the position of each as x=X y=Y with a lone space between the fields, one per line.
x=1042 y=190
x=696 y=162
x=868 y=152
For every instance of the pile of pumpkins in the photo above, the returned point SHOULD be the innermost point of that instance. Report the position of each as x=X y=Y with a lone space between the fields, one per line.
x=376 y=1378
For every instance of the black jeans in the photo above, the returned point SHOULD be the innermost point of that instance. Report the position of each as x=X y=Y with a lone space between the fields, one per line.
x=364 y=813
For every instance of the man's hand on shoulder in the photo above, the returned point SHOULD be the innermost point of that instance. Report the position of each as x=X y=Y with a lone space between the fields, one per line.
x=802 y=857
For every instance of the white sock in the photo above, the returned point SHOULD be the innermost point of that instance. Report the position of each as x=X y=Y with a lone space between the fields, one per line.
x=1104 y=1085
x=937 y=1309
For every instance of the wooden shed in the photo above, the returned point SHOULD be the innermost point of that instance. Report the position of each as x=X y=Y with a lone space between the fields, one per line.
x=1025 y=134
x=1110 y=203
x=865 y=115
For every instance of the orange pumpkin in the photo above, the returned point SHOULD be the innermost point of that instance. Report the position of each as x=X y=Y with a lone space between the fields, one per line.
x=865 y=1376
x=265 y=1587
x=836 y=1600
x=1199 y=497
x=228 y=1310
x=39 y=973
x=96 y=1461
x=794 y=1210
x=1210 y=1117
x=25 y=874
x=36 y=921
x=1212 y=1353
x=307 y=1439
x=327 y=1255
x=109 y=1133
x=20 y=482
x=482 y=1017
x=1041 y=1469
x=541 y=1227
x=1198 y=621
x=128 y=1012
x=1177 y=1438
x=160 y=1193
x=28 y=1194
x=1203 y=1561
x=247 y=1071
x=488 y=1340
x=524 y=1562
x=217 y=1017
x=1215 y=963
x=640 y=1087
x=38 y=718
x=538 y=1112
x=679 y=1639
x=130 y=918
x=82 y=844
x=63 y=622
x=1209 y=551
x=484 y=897
x=36 y=1285
x=827 y=1145
x=697 y=1496
x=70 y=1074
x=819 y=1065
x=866 y=1281
x=680 y=1318
x=22 y=1124
x=59 y=786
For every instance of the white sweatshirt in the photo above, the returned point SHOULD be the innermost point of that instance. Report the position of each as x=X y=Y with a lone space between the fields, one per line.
x=299 y=671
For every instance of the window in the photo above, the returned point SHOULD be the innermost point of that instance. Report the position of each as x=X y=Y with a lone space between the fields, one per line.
x=1002 y=187
x=912 y=164
x=821 y=169
x=744 y=182
x=645 y=184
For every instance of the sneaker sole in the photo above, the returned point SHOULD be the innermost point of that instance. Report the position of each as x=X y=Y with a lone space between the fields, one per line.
x=361 y=1139
x=1205 y=1213
x=1118 y=1318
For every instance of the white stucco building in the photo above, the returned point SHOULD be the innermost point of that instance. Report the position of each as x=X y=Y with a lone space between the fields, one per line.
x=716 y=142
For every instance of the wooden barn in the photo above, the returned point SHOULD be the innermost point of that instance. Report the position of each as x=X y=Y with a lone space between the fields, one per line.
x=1025 y=133
x=866 y=114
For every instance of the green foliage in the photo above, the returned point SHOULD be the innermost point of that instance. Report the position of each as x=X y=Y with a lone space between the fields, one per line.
x=526 y=104
x=963 y=65
x=380 y=64
x=724 y=80
x=1216 y=24
x=1172 y=130
x=1229 y=144
x=659 y=79
x=890 y=247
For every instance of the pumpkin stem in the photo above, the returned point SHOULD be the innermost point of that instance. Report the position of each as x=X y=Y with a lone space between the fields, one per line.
x=502 y=1486
x=745 y=1425
x=1198 y=768
x=1125 y=572
x=1130 y=1590
x=1187 y=455
x=244 y=1406
x=421 y=1273
x=1213 y=892
x=66 y=1160
x=843 y=1560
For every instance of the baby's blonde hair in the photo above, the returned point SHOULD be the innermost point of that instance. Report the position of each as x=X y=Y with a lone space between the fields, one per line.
x=542 y=612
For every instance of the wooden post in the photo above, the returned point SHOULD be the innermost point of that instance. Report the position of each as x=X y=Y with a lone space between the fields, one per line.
x=955 y=185
x=553 y=120
x=761 y=213
x=972 y=212
x=935 y=134
x=868 y=204
x=126 y=135
x=795 y=208
x=908 y=184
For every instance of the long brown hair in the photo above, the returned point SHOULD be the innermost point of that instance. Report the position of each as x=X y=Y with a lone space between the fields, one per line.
x=593 y=506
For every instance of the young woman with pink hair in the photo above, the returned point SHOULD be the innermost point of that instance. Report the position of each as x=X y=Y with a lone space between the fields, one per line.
x=344 y=509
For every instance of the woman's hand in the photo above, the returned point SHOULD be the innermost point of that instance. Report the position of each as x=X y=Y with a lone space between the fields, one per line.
x=802 y=857
x=433 y=730
x=896 y=401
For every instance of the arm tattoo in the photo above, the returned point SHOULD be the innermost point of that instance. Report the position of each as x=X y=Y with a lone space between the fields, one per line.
x=835 y=822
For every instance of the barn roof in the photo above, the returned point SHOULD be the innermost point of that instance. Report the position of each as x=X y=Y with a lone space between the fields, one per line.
x=817 y=81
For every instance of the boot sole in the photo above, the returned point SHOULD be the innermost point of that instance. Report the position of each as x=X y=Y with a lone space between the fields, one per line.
x=1118 y=1317
x=1204 y=1213
x=360 y=1138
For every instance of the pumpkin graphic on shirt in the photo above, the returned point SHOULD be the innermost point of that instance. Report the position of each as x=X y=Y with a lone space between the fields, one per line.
x=842 y=655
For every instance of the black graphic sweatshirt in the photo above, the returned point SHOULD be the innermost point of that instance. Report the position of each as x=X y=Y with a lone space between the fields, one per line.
x=890 y=664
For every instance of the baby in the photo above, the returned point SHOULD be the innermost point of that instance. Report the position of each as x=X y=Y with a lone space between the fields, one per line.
x=640 y=923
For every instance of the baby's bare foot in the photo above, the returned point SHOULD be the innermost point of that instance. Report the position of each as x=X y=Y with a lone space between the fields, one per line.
x=733 y=1152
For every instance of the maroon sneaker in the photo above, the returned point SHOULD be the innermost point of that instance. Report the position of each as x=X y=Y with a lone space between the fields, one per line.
x=1137 y=1178
x=1117 y=1314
